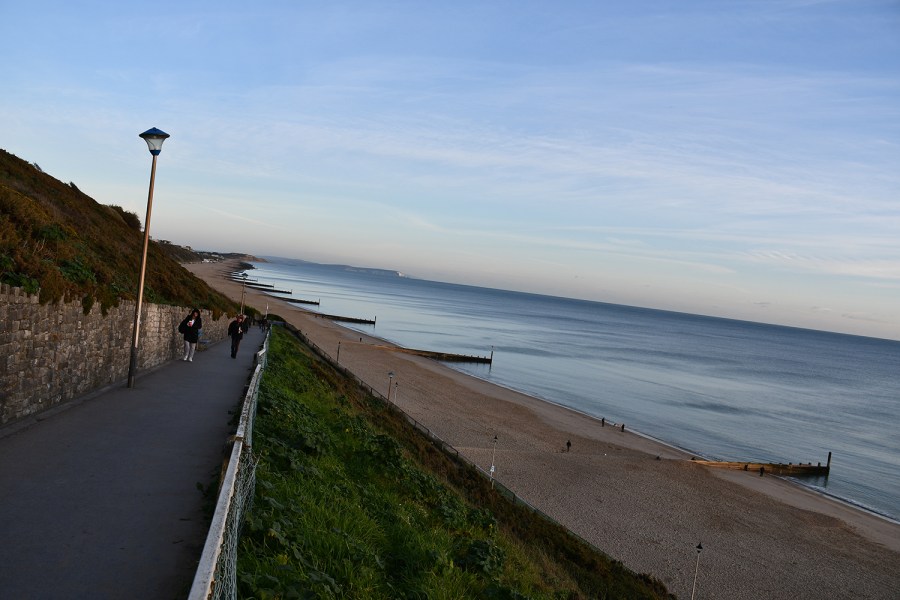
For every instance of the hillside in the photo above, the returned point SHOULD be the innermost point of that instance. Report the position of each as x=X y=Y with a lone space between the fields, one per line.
x=352 y=501
x=57 y=242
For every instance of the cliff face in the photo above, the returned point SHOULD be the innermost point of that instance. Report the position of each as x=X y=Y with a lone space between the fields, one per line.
x=60 y=244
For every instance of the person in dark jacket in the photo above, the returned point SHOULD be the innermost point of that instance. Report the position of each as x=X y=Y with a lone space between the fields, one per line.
x=190 y=329
x=236 y=331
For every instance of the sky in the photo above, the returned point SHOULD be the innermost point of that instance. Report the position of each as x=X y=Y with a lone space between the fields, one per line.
x=730 y=158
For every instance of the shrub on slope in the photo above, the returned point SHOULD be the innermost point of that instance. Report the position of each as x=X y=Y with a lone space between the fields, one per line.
x=58 y=242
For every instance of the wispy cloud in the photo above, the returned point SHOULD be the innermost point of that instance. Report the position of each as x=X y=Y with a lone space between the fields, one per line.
x=598 y=136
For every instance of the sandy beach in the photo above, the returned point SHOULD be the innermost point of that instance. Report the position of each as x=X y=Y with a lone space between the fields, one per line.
x=637 y=500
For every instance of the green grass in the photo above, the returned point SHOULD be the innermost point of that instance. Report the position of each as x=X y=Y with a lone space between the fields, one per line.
x=352 y=503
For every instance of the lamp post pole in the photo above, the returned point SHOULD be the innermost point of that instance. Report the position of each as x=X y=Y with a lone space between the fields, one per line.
x=154 y=138
x=493 y=456
x=390 y=381
x=696 y=569
x=243 y=286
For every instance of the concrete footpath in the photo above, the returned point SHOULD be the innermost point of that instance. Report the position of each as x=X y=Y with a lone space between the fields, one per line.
x=101 y=500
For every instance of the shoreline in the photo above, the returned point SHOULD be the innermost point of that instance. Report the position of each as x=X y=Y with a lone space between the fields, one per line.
x=846 y=503
x=634 y=497
x=687 y=451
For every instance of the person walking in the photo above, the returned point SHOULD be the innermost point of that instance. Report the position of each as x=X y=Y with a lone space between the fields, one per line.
x=236 y=332
x=190 y=328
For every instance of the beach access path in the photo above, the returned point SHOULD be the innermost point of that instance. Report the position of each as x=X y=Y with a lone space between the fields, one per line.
x=100 y=498
x=637 y=500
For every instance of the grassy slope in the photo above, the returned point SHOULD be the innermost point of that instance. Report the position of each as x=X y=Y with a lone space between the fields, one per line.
x=60 y=243
x=353 y=503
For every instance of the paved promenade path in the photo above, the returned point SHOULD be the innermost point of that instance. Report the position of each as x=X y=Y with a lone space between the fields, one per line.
x=101 y=500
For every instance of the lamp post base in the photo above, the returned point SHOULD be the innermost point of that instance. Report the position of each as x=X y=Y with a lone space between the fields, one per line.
x=132 y=368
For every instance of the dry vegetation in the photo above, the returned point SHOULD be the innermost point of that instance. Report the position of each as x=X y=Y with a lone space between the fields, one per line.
x=57 y=242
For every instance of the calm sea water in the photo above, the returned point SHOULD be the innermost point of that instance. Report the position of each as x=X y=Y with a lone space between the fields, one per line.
x=723 y=389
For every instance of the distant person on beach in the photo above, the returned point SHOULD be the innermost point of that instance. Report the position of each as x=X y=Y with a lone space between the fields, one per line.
x=568 y=445
x=236 y=331
x=190 y=329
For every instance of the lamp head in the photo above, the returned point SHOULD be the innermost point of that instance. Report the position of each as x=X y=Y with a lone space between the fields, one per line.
x=154 y=138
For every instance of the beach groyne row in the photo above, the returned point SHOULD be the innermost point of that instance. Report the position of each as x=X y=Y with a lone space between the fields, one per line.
x=256 y=285
x=235 y=277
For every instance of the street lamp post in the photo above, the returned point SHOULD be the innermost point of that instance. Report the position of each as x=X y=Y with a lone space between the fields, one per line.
x=493 y=456
x=154 y=138
x=243 y=286
x=390 y=381
x=696 y=569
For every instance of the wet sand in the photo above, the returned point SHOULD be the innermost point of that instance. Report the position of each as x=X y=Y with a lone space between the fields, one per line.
x=637 y=500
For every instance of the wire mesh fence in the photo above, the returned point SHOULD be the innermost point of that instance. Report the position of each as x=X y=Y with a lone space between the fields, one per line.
x=216 y=576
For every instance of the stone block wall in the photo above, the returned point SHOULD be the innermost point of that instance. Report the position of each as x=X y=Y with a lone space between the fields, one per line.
x=54 y=352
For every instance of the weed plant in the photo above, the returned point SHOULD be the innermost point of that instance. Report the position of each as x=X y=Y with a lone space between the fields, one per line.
x=351 y=502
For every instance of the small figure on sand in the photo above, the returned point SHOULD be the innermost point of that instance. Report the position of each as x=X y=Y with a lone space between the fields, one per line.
x=236 y=333
x=568 y=445
x=190 y=329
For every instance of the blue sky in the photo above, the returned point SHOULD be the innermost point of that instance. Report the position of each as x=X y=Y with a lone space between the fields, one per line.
x=732 y=158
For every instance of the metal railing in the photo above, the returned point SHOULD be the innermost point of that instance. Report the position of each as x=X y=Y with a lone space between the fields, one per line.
x=216 y=575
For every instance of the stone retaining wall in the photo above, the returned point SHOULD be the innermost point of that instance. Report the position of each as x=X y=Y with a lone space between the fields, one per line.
x=54 y=352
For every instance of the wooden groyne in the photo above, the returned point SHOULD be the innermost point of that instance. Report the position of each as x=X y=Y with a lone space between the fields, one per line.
x=299 y=301
x=794 y=470
x=263 y=287
x=446 y=356
x=270 y=289
x=345 y=319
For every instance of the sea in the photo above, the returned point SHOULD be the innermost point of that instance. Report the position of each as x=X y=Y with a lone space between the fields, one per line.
x=721 y=389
